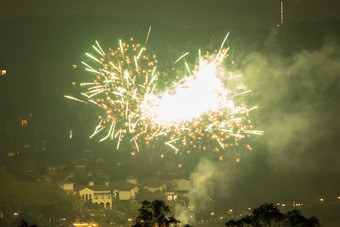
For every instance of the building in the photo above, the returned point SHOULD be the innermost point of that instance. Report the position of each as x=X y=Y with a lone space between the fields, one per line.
x=132 y=180
x=79 y=168
x=68 y=187
x=153 y=184
x=182 y=186
x=177 y=189
x=123 y=190
x=51 y=170
x=100 y=194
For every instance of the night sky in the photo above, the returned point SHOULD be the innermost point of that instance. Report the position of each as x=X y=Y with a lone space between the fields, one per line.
x=293 y=73
x=189 y=13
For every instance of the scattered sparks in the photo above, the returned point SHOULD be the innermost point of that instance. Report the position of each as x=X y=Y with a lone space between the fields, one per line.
x=75 y=99
x=201 y=108
x=181 y=57
x=120 y=81
x=198 y=113
x=147 y=37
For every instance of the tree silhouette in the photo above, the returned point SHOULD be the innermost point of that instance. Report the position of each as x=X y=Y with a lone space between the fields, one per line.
x=269 y=215
x=25 y=224
x=296 y=219
x=266 y=214
x=154 y=213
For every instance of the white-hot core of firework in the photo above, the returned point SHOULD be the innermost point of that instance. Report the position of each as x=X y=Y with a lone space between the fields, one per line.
x=200 y=93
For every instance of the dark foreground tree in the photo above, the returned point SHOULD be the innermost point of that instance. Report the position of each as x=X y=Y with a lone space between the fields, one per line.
x=295 y=218
x=25 y=224
x=154 y=213
x=269 y=215
x=38 y=203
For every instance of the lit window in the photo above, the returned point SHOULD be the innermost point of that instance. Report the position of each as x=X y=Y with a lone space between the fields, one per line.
x=3 y=72
x=23 y=123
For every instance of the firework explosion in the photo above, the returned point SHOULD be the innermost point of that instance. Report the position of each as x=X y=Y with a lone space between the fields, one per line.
x=200 y=109
x=197 y=113
x=122 y=78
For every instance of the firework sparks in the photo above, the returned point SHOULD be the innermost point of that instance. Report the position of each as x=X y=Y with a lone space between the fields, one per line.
x=75 y=99
x=194 y=112
x=199 y=94
x=201 y=108
x=122 y=77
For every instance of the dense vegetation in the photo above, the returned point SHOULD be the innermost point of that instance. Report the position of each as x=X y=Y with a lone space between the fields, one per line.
x=268 y=215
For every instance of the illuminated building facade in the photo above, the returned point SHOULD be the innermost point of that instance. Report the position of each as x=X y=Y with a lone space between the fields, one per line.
x=100 y=194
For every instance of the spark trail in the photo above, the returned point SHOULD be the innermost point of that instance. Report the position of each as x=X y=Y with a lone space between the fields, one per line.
x=200 y=109
x=197 y=113
x=121 y=79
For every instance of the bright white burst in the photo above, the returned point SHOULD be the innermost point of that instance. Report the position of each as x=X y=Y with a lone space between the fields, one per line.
x=199 y=112
x=200 y=109
x=198 y=94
